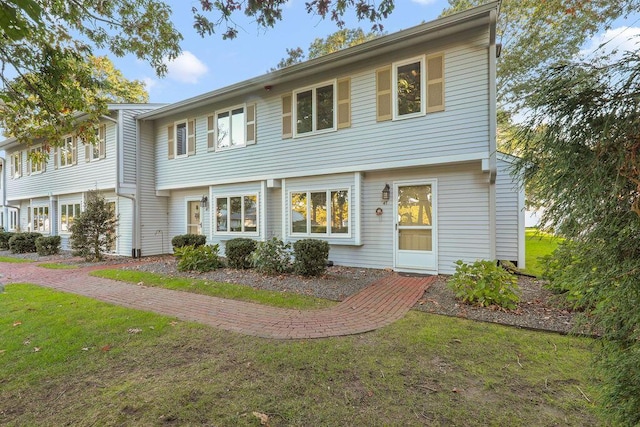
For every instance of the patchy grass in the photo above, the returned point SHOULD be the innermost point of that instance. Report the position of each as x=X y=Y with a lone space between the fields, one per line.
x=57 y=266
x=13 y=260
x=98 y=364
x=538 y=244
x=217 y=289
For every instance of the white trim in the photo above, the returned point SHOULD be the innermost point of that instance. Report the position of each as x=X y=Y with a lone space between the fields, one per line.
x=186 y=138
x=59 y=214
x=429 y=161
x=187 y=200
x=357 y=209
x=228 y=195
x=394 y=87
x=62 y=150
x=294 y=109
x=263 y=211
x=215 y=127
x=521 y=228
x=328 y=234
x=30 y=163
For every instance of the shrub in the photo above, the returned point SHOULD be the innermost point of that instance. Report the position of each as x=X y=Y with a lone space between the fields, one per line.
x=272 y=257
x=238 y=252
x=484 y=283
x=48 y=245
x=198 y=258
x=183 y=240
x=4 y=240
x=93 y=232
x=311 y=256
x=21 y=243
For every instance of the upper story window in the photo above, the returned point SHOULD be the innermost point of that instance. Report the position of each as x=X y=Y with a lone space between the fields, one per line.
x=36 y=160
x=315 y=109
x=98 y=150
x=181 y=139
x=410 y=88
x=230 y=128
x=237 y=214
x=67 y=154
x=323 y=212
x=16 y=165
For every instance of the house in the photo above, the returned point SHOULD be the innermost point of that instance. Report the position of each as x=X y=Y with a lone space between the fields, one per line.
x=386 y=150
x=45 y=196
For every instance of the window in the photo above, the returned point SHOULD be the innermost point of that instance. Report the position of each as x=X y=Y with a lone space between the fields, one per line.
x=16 y=165
x=230 y=128
x=36 y=160
x=320 y=213
x=97 y=150
x=181 y=138
x=68 y=212
x=409 y=90
x=237 y=214
x=315 y=109
x=40 y=217
x=68 y=152
x=13 y=220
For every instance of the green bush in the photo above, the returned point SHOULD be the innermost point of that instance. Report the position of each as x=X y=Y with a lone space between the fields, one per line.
x=93 y=232
x=21 y=243
x=48 y=245
x=198 y=258
x=4 y=240
x=311 y=256
x=272 y=257
x=238 y=252
x=183 y=240
x=484 y=283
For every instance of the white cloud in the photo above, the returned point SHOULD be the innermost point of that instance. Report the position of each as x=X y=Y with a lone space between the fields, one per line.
x=149 y=83
x=186 y=68
x=424 y=2
x=616 y=40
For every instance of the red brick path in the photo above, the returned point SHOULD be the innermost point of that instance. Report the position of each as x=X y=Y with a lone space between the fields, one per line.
x=378 y=305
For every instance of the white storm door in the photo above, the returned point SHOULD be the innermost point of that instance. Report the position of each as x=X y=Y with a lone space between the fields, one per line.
x=415 y=227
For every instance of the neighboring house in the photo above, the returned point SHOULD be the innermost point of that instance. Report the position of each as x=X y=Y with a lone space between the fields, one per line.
x=46 y=196
x=386 y=150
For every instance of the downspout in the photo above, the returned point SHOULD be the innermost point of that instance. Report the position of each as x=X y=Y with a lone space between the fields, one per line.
x=5 y=210
x=119 y=138
x=493 y=126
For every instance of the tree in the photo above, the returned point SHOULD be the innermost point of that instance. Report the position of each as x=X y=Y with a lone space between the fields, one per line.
x=339 y=40
x=94 y=232
x=581 y=151
x=535 y=34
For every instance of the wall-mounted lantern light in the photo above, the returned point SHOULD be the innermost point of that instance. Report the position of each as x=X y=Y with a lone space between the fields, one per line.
x=386 y=193
x=204 y=202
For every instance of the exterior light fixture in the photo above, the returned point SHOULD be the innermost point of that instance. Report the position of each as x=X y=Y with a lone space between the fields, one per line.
x=386 y=193
x=204 y=202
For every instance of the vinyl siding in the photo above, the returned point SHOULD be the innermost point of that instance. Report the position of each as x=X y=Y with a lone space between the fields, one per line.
x=509 y=214
x=129 y=146
x=177 y=204
x=462 y=129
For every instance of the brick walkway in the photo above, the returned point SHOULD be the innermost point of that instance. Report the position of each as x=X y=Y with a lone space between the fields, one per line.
x=378 y=305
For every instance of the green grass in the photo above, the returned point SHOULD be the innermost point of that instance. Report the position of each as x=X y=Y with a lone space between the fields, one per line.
x=217 y=289
x=538 y=244
x=13 y=260
x=100 y=364
x=57 y=266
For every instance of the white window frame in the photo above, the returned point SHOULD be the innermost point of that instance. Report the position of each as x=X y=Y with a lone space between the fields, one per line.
x=98 y=147
x=186 y=138
x=294 y=111
x=328 y=234
x=37 y=212
x=229 y=196
x=66 y=205
x=423 y=87
x=244 y=127
x=13 y=222
x=62 y=152
x=16 y=164
x=33 y=170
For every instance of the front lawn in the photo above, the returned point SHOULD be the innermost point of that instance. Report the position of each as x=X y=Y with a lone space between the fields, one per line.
x=538 y=244
x=70 y=360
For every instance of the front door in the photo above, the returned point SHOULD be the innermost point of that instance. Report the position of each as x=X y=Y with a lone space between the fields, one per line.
x=415 y=227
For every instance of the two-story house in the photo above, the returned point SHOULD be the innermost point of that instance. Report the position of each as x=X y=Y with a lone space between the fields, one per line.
x=46 y=194
x=386 y=150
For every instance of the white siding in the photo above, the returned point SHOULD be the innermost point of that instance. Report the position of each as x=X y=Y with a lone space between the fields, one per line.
x=509 y=215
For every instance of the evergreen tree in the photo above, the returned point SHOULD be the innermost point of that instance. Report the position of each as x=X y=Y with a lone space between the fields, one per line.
x=94 y=232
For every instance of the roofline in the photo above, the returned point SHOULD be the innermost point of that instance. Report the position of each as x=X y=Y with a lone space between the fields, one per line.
x=429 y=30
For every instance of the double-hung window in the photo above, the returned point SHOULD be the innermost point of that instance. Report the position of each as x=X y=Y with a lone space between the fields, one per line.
x=16 y=165
x=98 y=150
x=230 y=128
x=409 y=88
x=68 y=152
x=36 y=160
x=181 y=139
x=40 y=218
x=237 y=214
x=323 y=212
x=315 y=109
x=68 y=212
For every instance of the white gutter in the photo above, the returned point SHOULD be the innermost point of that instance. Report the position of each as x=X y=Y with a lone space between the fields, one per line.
x=3 y=200
x=493 y=127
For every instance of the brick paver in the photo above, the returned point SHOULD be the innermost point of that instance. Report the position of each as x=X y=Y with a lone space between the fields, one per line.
x=380 y=304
